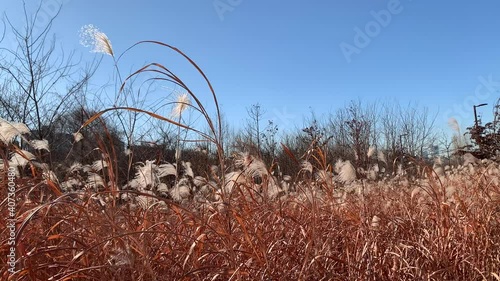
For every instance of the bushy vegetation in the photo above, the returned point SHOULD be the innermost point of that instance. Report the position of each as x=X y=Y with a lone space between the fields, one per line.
x=486 y=139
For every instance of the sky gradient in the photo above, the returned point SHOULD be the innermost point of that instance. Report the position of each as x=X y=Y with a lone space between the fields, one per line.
x=299 y=56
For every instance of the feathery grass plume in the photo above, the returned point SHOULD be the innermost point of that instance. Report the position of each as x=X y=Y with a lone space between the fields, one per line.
x=94 y=181
x=214 y=171
x=87 y=168
x=78 y=136
x=347 y=172
x=493 y=170
x=91 y=36
x=338 y=166
x=40 y=144
x=453 y=123
x=10 y=130
x=50 y=175
x=252 y=166
x=256 y=169
x=145 y=201
x=306 y=166
x=324 y=176
x=242 y=160
x=132 y=184
x=438 y=161
x=188 y=171
x=381 y=157
x=450 y=191
x=75 y=167
x=71 y=184
x=181 y=104
x=178 y=154
x=146 y=175
x=371 y=151
x=274 y=190
x=98 y=165
x=373 y=172
x=21 y=158
x=458 y=139
x=181 y=191
x=166 y=170
x=285 y=183
x=400 y=170
x=375 y=221
x=232 y=179
x=207 y=190
x=199 y=181
x=162 y=188
x=472 y=169
x=469 y=159
x=438 y=167
x=415 y=192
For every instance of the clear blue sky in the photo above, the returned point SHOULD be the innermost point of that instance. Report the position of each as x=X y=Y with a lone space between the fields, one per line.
x=287 y=55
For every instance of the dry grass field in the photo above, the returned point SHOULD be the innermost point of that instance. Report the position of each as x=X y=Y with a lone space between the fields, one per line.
x=440 y=228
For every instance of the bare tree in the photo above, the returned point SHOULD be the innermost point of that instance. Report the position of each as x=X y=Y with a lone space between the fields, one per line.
x=448 y=145
x=354 y=130
x=418 y=129
x=391 y=128
x=39 y=82
x=270 y=142
x=338 y=129
x=253 y=127
x=360 y=126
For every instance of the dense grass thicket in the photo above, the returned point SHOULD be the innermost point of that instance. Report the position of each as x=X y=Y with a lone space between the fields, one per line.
x=444 y=227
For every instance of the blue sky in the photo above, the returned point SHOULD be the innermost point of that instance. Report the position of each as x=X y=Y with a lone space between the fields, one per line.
x=444 y=55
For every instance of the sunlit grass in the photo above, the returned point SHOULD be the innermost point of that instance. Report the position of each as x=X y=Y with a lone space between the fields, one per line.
x=389 y=232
